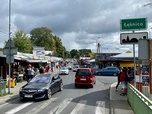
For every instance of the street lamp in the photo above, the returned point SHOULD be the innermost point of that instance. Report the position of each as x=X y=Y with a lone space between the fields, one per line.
x=96 y=39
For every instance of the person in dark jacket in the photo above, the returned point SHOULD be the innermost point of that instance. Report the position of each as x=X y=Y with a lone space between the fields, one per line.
x=118 y=80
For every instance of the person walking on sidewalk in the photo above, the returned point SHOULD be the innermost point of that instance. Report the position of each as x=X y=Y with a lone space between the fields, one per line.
x=118 y=79
x=123 y=76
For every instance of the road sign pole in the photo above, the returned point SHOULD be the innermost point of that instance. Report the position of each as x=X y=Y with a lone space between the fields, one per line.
x=9 y=46
x=134 y=65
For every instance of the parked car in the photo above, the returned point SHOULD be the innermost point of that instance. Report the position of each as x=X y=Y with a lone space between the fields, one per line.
x=75 y=68
x=84 y=76
x=42 y=86
x=64 y=70
x=108 y=71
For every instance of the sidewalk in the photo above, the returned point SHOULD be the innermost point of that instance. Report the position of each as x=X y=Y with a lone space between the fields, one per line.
x=14 y=91
x=118 y=104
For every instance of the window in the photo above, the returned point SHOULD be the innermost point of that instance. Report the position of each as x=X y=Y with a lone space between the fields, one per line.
x=83 y=73
x=40 y=79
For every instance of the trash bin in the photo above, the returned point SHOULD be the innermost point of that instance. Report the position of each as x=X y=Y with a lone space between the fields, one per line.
x=12 y=82
x=2 y=88
x=20 y=78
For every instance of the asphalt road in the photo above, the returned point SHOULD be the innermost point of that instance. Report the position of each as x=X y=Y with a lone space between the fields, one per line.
x=71 y=100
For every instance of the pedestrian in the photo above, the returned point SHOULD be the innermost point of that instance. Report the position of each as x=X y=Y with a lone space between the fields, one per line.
x=31 y=72
x=123 y=76
x=47 y=68
x=118 y=79
x=41 y=70
x=37 y=71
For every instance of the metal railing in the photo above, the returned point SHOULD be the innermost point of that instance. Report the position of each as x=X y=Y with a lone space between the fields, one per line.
x=138 y=102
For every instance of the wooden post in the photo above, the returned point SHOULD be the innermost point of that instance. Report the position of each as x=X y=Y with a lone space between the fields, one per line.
x=150 y=65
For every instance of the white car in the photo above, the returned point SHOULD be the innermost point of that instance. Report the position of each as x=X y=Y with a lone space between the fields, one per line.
x=64 y=70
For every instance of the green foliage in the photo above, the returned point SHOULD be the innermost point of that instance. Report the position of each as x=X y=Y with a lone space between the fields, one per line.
x=42 y=37
x=74 y=53
x=60 y=49
x=85 y=52
x=22 y=42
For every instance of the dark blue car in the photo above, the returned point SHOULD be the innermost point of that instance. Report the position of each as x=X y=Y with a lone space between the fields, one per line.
x=108 y=71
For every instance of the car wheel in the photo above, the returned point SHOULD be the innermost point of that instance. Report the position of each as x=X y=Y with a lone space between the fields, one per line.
x=48 y=94
x=115 y=74
x=61 y=87
x=91 y=86
x=99 y=73
x=76 y=85
x=95 y=82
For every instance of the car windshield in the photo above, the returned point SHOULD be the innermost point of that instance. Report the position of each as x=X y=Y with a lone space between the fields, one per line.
x=63 y=68
x=40 y=79
x=83 y=72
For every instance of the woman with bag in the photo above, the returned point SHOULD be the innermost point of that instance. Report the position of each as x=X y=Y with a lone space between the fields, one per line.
x=123 y=77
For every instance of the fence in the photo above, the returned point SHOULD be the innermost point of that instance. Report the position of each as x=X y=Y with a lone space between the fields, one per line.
x=139 y=102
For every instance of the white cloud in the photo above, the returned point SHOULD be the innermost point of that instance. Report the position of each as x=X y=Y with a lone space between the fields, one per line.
x=74 y=21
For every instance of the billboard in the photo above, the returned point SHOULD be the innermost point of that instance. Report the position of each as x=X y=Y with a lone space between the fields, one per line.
x=38 y=52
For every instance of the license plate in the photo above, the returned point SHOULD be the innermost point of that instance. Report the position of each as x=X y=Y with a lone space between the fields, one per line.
x=83 y=79
x=28 y=96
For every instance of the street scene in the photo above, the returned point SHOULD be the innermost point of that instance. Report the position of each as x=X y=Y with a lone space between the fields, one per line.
x=75 y=57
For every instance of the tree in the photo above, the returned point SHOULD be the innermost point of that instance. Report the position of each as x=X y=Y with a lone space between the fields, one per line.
x=60 y=49
x=22 y=42
x=85 y=52
x=74 y=53
x=92 y=55
x=42 y=37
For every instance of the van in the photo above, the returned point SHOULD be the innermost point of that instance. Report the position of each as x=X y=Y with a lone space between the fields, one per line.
x=84 y=76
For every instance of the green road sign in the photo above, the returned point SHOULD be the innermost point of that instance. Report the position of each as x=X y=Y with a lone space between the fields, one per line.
x=133 y=24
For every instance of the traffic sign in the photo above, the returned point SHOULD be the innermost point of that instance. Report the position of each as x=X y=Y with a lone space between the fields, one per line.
x=10 y=48
x=133 y=24
x=10 y=59
x=132 y=38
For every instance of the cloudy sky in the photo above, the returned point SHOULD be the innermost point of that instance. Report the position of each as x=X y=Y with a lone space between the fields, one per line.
x=79 y=23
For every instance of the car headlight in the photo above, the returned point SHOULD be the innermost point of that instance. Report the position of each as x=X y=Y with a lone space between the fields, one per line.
x=40 y=90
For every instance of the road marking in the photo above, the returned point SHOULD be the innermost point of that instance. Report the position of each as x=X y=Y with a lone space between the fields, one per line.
x=79 y=108
x=100 y=109
x=40 y=107
x=19 y=108
x=59 y=109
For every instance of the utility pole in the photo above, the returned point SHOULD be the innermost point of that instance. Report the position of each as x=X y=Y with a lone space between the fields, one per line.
x=9 y=50
x=97 y=45
x=9 y=45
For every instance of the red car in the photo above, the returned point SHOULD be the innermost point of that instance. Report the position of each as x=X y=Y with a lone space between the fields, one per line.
x=84 y=76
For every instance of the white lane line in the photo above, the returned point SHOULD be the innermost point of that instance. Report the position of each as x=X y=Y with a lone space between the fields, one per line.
x=100 y=109
x=19 y=108
x=59 y=109
x=41 y=106
x=79 y=108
